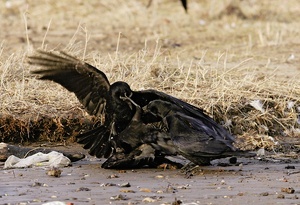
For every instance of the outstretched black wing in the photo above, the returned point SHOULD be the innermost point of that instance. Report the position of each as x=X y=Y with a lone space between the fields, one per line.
x=89 y=84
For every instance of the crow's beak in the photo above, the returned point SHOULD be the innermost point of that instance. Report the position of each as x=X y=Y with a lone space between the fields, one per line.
x=127 y=100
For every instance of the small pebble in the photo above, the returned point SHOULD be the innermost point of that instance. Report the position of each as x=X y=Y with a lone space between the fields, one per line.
x=176 y=202
x=187 y=186
x=280 y=196
x=37 y=184
x=233 y=160
x=265 y=194
x=288 y=190
x=171 y=189
x=289 y=167
x=127 y=191
x=55 y=172
x=284 y=179
x=119 y=197
x=240 y=166
x=159 y=177
x=149 y=200
x=223 y=182
x=127 y=184
x=108 y=184
x=83 y=189
x=113 y=176
x=145 y=190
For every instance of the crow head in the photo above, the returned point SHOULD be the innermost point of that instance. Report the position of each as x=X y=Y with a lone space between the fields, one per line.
x=159 y=108
x=118 y=90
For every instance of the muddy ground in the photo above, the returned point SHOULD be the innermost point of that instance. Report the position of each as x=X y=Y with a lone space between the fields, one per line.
x=220 y=56
x=270 y=180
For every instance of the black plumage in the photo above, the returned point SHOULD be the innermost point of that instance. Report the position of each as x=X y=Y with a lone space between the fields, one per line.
x=98 y=97
x=199 y=139
x=141 y=144
x=139 y=132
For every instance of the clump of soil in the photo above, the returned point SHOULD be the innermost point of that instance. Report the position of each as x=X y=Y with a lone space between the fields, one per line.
x=42 y=128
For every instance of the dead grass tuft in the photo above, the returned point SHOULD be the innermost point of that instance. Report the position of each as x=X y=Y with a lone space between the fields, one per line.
x=239 y=64
x=247 y=103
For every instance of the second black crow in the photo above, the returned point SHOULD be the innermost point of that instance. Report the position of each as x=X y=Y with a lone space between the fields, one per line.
x=198 y=139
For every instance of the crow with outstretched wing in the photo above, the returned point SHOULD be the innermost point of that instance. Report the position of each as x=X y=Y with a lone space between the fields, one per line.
x=99 y=97
x=94 y=92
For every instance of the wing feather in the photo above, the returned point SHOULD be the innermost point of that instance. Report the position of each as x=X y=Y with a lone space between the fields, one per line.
x=89 y=84
x=143 y=98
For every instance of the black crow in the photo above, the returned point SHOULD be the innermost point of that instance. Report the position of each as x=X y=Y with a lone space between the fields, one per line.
x=141 y=144
x=99 y=97
x=198 y=139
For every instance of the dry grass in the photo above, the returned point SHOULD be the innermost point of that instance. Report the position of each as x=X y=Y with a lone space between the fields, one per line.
x=221 y=57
